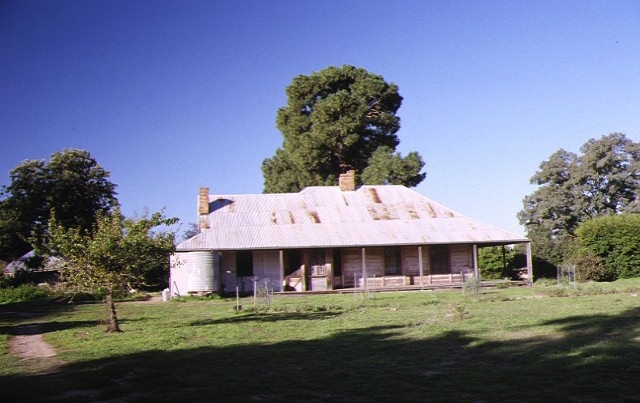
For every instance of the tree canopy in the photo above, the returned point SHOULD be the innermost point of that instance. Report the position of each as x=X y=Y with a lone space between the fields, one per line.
x=335 y=120
x=498 y=262
x=71 y=183
x=117 y=254
x=604 y=179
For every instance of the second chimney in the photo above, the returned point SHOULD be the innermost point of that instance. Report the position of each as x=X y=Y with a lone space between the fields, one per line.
x=203 y=208
x=347 y=181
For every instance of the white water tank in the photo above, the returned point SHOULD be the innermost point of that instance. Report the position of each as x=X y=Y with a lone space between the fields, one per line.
x=201 y=269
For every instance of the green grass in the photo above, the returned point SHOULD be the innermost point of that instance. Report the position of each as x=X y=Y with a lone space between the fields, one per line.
x=515 y=344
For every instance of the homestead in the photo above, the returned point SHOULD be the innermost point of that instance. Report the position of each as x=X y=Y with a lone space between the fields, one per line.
x=330 y=237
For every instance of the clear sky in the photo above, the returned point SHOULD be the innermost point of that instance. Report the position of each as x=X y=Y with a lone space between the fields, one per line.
x=173 y=95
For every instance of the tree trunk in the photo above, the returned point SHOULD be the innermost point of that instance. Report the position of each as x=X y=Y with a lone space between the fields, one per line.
x=113 y=316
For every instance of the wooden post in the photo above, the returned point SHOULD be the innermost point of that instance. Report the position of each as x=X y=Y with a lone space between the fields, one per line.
x=281 y=258
x=529 y=262
x=475 y=262
x=420 y=264
x=255 y=290
x=364 y=269
x=504 y=262
x=304 y=277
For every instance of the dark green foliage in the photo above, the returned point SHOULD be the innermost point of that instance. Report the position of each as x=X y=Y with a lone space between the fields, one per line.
x=389 y=168
x=491 y=262
x=609 y=247
x=543 y=268
x=573 y=188
x=338 y=119
x=497 y=262
x=71 y=183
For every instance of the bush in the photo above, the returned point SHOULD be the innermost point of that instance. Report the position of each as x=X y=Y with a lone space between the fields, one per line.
x=590 y=267
x=24 y=292
x=472 y=286
x=615 y=241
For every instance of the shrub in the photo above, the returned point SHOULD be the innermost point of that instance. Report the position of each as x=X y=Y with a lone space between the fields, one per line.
x=615 y=241
x=590 y=267
x=472 y=286
x=24 y=292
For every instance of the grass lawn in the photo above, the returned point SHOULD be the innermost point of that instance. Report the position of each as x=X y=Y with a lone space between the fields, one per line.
x=504 y=345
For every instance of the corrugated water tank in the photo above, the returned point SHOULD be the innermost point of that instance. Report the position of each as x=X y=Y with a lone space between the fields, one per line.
x=201 y=268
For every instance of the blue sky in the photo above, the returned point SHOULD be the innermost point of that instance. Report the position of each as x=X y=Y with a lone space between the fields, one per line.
x=173 y=95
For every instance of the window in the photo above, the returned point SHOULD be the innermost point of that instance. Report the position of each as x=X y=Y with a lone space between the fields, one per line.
x=244 y=263
x=337 y=262
x=439 y=259
x=392 y=260
x=316 y=262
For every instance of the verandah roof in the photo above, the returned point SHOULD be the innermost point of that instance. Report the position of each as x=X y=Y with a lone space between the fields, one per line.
x=325 y=216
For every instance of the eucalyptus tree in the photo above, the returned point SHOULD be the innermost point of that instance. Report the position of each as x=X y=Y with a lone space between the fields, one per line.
x=72 y=183
x=339 y=119
x=603 y=179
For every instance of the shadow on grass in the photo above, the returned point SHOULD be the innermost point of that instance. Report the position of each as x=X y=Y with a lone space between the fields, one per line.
x=270 y=317
x=23 y=318
x=592 y=358
x=44 y=327
x=18 y=311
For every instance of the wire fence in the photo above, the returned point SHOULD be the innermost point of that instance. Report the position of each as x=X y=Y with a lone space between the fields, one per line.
x=262 y=292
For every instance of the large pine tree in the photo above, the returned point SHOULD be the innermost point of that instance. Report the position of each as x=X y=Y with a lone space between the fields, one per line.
x=339 y=119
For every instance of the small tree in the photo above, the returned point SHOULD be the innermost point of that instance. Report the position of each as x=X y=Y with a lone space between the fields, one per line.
x=118 y=253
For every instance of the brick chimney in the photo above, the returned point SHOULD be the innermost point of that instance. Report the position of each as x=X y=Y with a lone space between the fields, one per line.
x=347 y=181
x=203 y=208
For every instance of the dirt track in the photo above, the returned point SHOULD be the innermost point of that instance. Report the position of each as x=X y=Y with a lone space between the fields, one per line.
x=27 y=344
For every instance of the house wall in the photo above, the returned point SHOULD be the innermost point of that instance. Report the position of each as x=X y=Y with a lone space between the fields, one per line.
x=351 y=264
x=179 y=276
x=460 y=262
x=461 y=259
x=410 y=260
x=266 y=266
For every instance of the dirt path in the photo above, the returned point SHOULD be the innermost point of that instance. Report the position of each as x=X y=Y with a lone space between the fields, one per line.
x=27 y=344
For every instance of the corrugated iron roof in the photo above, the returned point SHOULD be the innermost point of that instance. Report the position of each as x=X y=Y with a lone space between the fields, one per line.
x=325 y=216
